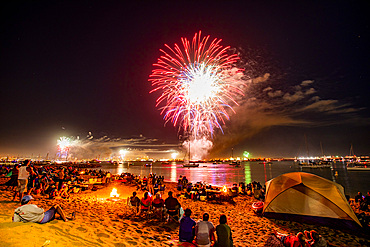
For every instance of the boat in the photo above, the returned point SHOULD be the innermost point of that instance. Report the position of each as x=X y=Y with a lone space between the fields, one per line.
x=235 y=163
x=314 y=164
x=361 y=164
x=148 y=165
x=358 y=168
x=265 y=163
x=190 y=164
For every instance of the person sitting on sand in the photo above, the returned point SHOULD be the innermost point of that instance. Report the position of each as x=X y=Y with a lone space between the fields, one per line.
x=146 y=202
x=158 y=205
x=292 y=240
x=172 y=204
x=358 y=197
x=64 y=191
x=313 y=239
x=135 y=201
x=32 y=213
x=204 y=232
x=365 y=204
x=187 y=227
x=223 y=231
x=158 y=202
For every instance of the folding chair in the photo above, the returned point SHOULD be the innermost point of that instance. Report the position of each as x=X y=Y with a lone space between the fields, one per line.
x=158 y=211
x=148 y=213
x=173 y=214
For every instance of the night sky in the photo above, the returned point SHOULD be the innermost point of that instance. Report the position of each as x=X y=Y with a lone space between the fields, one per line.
x=80 y=69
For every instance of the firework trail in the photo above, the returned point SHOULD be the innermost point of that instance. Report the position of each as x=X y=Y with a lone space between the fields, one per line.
x=197 y=85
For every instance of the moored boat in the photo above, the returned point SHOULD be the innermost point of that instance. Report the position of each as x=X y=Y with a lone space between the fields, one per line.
x=358 y=168
x=190 y=164
x=235 y=163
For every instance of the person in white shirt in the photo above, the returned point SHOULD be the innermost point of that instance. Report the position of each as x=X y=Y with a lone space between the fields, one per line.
x=32 y=213
x=22 y=179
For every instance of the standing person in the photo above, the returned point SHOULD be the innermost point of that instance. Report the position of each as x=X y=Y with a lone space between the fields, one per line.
x=187 y=227
x=31 y=179
x=223 y=231
x=150 y=183
x=13 y=182
x=204 y=232
x=23 y=175
x=32 y=213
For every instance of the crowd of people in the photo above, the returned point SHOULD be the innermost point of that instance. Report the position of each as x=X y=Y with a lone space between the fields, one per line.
x=59 y=181
x=198 y=191
x=50 y=181
x=301 y=239
x=361 y=202
x=202 y=233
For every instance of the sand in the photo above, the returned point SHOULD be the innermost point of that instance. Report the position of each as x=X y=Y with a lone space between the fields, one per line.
x=102 y=222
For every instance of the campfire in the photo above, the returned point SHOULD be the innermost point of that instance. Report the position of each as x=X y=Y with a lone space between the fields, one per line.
x=114 y=196
x=224 y=189
x=114 y=193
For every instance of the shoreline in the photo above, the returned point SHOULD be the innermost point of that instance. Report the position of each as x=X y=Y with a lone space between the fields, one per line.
x=101 y=222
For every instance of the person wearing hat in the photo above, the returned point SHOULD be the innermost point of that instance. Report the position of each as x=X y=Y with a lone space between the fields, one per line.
x=32 y=213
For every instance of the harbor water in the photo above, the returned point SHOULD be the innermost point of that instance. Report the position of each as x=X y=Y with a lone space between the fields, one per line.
x=225 y=174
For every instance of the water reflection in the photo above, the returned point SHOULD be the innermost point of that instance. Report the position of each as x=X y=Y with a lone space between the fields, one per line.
x=224 y=174
x=173 y=176
x=121 y=169
x=247 y=173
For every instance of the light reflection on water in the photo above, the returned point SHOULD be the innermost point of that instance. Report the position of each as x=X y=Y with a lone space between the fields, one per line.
x=224 y=174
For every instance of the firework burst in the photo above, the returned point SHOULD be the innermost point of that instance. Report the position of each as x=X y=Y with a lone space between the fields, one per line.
x=197 y=85
x=64 y=144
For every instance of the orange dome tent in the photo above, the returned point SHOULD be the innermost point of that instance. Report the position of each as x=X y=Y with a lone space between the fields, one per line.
x=308 y=198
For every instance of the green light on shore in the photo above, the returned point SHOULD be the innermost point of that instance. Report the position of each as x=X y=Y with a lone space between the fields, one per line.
x=246 y=154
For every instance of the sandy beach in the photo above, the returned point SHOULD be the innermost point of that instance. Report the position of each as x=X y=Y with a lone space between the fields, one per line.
x=102 y=222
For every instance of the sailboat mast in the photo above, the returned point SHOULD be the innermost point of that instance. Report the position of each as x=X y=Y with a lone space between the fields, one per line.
x=189 y=149
x=351 y=153
x=305 y=139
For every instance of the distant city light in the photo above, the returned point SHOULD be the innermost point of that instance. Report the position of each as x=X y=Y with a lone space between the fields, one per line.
x=246 y=154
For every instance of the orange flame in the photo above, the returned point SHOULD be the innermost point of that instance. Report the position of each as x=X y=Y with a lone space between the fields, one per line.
x=224 y=188
x=114 y=193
